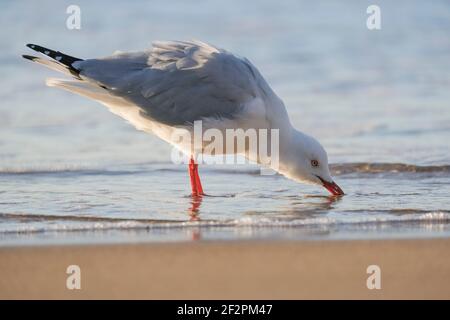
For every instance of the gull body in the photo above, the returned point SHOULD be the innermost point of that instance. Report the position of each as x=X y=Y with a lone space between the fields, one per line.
x=176 y=83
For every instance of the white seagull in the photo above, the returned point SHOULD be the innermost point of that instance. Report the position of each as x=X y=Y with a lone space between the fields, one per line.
x=175 y=83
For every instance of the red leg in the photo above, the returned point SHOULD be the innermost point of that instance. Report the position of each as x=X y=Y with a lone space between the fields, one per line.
x=197 y=181
x=194 y=210
x=192 y=176
x=196 y=184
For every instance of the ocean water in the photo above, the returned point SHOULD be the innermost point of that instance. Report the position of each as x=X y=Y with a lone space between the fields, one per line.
x=379 y=101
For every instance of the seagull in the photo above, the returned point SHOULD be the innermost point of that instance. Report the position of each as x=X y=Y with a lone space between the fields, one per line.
x=173 y=84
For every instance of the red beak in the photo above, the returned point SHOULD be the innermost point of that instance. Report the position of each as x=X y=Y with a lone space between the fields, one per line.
x=334 y=189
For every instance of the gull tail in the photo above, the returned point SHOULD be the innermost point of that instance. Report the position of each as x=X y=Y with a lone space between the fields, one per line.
x=61 y=62
x=78 y=84
x=65 y=64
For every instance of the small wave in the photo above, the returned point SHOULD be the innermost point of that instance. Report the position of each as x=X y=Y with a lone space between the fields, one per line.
x=50 y=170
x=336 y=169
x=92 y=224
x=74 y=218
x=366 y=167
x=428 y=217
x=74 y=170
x=64 y=171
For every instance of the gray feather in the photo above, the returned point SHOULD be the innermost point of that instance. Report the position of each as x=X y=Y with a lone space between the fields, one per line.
x=178 y=82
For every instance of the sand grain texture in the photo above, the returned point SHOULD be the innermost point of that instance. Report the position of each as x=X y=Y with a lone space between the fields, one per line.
x=230 y=270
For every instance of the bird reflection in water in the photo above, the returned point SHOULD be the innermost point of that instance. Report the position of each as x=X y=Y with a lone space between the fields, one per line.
x=194 y=210
x=194 y=214
x=311 y=205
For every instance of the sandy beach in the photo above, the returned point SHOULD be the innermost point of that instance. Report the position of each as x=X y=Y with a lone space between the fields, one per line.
x=410 y=269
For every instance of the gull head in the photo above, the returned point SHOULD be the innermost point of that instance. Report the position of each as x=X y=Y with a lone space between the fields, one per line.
x=305 y=160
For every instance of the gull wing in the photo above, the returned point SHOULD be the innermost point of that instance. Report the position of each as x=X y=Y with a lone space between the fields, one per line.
x=178 y=82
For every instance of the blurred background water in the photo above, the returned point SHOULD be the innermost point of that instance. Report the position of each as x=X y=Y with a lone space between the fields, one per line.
x=377 y=100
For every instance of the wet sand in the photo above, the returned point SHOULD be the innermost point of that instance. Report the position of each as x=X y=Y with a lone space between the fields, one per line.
x=410 y=269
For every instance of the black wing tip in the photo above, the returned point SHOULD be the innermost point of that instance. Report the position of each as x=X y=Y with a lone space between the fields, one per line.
x=35 y=47
x=32 y=58
x=41 y=49
x=55 y=55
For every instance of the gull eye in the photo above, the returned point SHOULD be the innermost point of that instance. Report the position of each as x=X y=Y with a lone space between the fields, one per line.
x=314 y=163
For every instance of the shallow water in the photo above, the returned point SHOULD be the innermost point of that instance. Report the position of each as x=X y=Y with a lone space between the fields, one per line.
x=378 y=101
